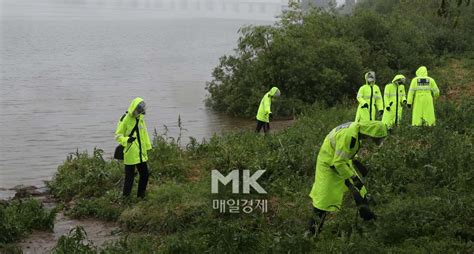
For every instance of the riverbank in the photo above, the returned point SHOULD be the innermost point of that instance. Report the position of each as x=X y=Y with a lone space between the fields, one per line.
x=63 y=212
x=418 y=176
x=420 y=179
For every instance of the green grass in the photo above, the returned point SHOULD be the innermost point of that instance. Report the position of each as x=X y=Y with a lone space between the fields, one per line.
x=75 y=242
x=421 y=179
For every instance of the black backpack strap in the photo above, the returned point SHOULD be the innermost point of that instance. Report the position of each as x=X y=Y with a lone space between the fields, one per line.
x=121 y=118
x=134 y=128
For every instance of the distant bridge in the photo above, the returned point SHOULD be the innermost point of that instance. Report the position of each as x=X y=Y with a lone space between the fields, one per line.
x=213 y=8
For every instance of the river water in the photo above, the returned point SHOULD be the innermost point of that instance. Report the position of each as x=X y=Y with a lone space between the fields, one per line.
x=69 y=70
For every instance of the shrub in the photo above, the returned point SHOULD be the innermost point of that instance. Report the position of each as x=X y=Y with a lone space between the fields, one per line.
x=75 y=242
x=84 y=176
x=166 y=160
x=19 y=217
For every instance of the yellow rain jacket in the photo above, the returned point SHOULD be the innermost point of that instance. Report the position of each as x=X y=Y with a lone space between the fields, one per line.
x=393 y=97
x=136 y=152
x=422 y=90
x=334 y=164
x=370 y=95
x=264 y=109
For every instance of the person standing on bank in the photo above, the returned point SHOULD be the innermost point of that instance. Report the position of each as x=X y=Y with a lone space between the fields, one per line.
x=369 y=98
x=132 y=134
x=394 y=99
x=264 y=114
x=423 y=91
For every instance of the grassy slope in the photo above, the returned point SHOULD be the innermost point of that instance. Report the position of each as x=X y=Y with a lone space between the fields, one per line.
x=421 y=179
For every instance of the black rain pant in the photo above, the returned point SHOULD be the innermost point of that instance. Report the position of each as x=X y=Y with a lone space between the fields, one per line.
x=264 y=125
x=315 y=224
x=130 y=176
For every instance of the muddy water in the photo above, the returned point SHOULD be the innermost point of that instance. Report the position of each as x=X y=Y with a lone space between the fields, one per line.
x=70 y=68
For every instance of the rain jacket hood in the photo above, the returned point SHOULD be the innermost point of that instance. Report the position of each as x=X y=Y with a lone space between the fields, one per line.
x=422 y=72
x=273 y=91
x=375 y=129
x=397 y=77
x=133 y=106
x=366 y=76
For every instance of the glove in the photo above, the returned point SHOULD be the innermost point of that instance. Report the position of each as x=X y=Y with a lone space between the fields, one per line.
x=131 y=139
x=409 y=105
x=387 y=108
x=370 y=199
x=404 y=102
x=354 y=187
x=270 y=116
x=365 y=106
x=366 y=214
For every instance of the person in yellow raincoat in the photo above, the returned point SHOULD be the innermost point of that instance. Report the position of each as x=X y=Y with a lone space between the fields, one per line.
x=369 y=98
x=264 y=113
x=132 y=134
x=394 y=98
x=421 y=93
x=337 y=172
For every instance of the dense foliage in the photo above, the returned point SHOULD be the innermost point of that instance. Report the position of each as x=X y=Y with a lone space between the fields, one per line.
x=320 y=56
